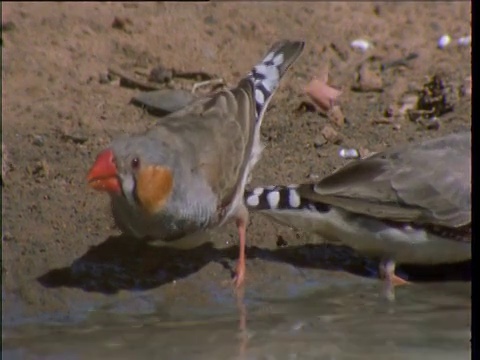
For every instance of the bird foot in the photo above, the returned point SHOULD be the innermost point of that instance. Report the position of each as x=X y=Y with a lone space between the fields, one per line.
x=391 y=282
x=387 y=272
x=397 y=280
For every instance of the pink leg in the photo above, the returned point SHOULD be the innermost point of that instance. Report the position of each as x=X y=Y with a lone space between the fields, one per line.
x=242 y=311
x=240 y=272
x=387 y=271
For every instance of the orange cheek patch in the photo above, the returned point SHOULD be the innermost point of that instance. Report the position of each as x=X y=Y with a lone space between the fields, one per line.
x=154 y=186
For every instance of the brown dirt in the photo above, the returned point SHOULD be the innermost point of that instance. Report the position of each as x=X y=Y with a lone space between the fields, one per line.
x=58 y=239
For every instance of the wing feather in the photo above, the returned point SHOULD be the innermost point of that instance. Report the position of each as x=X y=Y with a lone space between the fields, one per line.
x=428 y=182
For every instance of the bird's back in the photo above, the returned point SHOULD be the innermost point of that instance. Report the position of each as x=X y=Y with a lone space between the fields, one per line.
x=427 y=182
x=218 y=136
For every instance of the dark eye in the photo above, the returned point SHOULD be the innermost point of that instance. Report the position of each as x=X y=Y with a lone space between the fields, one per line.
x=135 y=163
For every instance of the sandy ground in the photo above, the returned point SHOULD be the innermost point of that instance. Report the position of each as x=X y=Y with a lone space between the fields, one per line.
x=60 y=251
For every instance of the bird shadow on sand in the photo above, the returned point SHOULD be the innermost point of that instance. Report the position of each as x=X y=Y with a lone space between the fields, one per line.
x=122 y=263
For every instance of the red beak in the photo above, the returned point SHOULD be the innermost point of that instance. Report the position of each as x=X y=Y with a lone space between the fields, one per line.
x=103 y=174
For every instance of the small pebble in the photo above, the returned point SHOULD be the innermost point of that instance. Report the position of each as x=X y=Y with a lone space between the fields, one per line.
x=381 y=121
x=408 y=103
x=444 y=41
x=75 y=137
x=160 y=75
x=281 y=242
x=389 y=111
x=38 y=140
x=104 y=78
x=368 y=78
x=321 y=93
x=364 y=152
x=466 y=88
x=431 y=124
x=464 y=41
x=298 y=326
x=38 y=170
x=335 y=114
x=306 y=106
x=331 y=135
x=8 y=26
x=7 y=236
x=210 y=20
x=4 y=162
x=121 y=23
x=349 y=153
x=313 y=177
x=361 y=44
x=319 y=143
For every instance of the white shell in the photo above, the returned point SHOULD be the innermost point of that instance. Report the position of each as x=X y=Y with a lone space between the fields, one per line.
x=465 y=40
x=444 y=41
x=349 y=153
x=361 y=44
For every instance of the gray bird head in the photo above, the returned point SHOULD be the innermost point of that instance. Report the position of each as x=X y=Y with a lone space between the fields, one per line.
x=138 y=168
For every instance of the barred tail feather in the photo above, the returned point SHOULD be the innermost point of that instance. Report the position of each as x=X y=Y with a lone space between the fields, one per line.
x=280 y=198
x=266 y=75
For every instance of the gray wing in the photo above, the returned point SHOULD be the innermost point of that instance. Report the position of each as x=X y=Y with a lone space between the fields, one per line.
x=219 y=132
x=428 y=182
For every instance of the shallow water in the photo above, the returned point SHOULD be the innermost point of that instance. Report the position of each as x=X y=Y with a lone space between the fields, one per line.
x=425 y=321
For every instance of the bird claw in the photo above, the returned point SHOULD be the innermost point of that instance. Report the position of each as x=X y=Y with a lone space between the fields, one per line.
x=387 y=272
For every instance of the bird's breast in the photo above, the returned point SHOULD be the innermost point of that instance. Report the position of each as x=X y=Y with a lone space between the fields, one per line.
x=160 y=226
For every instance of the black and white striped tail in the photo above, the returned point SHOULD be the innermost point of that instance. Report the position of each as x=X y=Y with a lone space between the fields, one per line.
x=280 y=198
x=266 y=75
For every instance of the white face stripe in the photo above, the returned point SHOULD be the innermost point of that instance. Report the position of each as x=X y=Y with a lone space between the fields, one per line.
x=128 y=185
